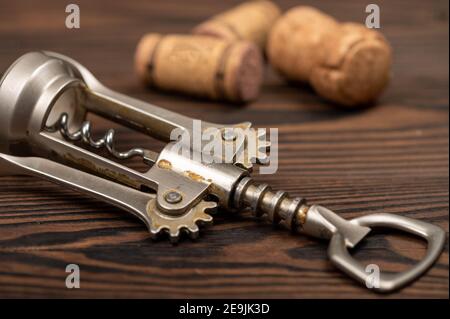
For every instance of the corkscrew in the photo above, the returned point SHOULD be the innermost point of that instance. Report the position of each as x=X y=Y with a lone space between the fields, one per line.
x=44 y=99
x=84 y=134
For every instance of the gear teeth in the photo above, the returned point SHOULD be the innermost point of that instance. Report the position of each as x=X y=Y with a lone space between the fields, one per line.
x=263 y=158
x=154 y=233
x=262 y=142
x=206 y=219
x=244 y=125
x=174 y=234
x=261 y=133
x=264 y=146
x=193 y=229
x=208 y=206
x=260 y=158
x=186 y=223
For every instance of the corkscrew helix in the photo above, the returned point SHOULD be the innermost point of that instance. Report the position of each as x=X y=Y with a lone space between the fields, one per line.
x=84 y=134
x=44 y=99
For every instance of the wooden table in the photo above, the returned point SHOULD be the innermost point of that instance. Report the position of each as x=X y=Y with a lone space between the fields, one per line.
x=392 y=158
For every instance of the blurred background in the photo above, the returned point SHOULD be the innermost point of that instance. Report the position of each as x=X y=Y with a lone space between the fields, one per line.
x=110 y=30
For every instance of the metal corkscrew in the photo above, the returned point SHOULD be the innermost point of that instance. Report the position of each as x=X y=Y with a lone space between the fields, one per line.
x=44 y=99
x=84 y=134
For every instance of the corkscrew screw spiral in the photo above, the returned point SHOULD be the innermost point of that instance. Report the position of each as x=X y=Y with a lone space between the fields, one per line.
x=84 y=134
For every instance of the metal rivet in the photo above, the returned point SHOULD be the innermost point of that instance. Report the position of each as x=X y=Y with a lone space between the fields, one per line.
x=173 y=197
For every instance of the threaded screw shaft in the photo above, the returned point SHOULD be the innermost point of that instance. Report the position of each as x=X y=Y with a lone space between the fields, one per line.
x=278 y=206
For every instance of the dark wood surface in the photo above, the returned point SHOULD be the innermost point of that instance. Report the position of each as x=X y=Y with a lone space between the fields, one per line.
x=392 y=157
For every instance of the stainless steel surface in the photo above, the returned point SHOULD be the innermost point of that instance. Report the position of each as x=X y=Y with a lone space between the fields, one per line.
x=221 y=177
x=323 y=223
x=28 y=90
x=131 y=200
x=388 y=282
x=34 y=93
x=44 y=98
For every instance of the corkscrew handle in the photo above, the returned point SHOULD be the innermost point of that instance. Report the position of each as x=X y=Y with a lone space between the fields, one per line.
x=320 y=222
x=121 y=196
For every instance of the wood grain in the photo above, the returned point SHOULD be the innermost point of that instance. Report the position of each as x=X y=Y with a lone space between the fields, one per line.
x=392 y=157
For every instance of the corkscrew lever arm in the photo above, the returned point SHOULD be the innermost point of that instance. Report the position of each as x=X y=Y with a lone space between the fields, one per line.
x=146 y=117
x=343 y=234
x=121 y=196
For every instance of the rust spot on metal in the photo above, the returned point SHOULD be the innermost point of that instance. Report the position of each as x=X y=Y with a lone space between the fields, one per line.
x=164 y=164
x=302 y=213
x=194 y=176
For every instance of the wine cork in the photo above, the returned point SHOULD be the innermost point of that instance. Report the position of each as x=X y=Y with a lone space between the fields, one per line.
x=200 y=66
x=250 y=21
x=346 y=63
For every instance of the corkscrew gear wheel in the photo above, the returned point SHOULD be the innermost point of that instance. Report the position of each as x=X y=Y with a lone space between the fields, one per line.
x=174 y=225
x=257 y=154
